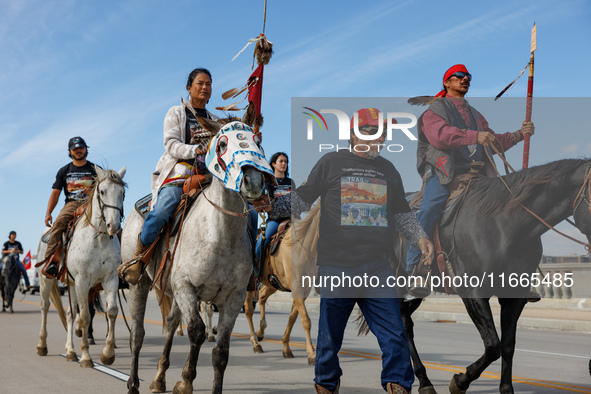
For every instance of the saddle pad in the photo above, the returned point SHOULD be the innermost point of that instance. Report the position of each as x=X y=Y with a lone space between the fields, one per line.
x=142 y=206
x=448 y=210
x=45 y=238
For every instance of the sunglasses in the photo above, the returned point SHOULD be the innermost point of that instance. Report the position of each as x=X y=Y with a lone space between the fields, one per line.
x=461 y=75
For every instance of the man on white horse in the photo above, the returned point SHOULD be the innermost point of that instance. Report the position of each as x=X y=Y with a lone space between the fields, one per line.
x=361 y=183
x=76 y=179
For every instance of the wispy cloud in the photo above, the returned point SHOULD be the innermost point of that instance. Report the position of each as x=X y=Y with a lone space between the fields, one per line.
x=572 y=148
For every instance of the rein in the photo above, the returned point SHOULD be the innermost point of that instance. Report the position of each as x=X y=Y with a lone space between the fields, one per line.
x=102 y=207
x=575 y=203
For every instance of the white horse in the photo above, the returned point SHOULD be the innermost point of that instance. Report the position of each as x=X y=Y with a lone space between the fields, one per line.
x=213 y=260
x=93 y=258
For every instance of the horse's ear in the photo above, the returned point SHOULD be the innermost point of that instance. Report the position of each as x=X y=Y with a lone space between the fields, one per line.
x=99 y=171
x=209 y=125
x=122 y=172
x=248 y=116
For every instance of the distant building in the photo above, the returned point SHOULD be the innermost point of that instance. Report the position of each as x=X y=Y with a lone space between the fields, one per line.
x=565 y=259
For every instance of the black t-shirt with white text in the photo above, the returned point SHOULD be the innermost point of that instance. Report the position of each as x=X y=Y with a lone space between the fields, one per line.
x=73 y=180
x=359 y=200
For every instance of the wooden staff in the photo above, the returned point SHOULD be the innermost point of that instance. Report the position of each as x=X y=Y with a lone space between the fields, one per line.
x=530 y=93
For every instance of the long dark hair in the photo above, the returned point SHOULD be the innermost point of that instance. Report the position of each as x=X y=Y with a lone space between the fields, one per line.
x=274 y=159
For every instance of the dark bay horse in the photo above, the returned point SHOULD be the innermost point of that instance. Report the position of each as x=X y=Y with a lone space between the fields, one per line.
x=9 y=279
x=494 y=238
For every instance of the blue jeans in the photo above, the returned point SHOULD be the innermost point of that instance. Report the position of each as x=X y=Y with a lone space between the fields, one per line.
x=272 y=227
x=383 y=318
x=434 y=197
x=168 y=199
x=23 y=271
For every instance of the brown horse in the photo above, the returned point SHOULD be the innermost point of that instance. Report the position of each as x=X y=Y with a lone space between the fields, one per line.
x=299 y=243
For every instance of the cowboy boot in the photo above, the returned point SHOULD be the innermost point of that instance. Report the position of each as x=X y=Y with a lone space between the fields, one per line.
x=395 y=389
x=133 y=273
x=322 y=390
x=417 y=283
x=51 y=270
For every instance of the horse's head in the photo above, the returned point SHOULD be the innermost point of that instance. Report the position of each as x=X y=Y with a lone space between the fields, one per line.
x=582 y=202
x=236 y=158
x=107 y=198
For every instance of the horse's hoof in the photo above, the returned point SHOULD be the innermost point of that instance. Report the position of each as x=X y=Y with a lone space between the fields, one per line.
x=107 y=360
x=260 y=335
x=506 y=389
x=312 y=360
x=257 y=349
x=79 y=333
x=86 y=364
x=11 y=310
x=181 y=388
x=215 y=330
x=427 y=390
x=158 y=386
x=91 y=341
x=211 y=338
x=71 y=356
x=453 y=387
x=42 y=351
x=288 y=354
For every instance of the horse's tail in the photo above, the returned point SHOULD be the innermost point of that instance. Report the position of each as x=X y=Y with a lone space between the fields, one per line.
x=165 y=306
x=362 y=327
x=56 y=298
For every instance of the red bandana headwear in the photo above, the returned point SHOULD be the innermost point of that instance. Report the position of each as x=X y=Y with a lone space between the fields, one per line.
x=448 y=74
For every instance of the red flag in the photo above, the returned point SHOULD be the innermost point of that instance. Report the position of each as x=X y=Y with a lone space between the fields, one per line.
x=27 y=260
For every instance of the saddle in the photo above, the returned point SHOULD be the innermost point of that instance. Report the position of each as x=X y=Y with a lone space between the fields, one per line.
x=61 y=252
x=192 y=187
x=269 y=250
x=458 y=189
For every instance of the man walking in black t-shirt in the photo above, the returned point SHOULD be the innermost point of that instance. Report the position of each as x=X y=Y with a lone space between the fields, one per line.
x=362 y=206
x=76 y=179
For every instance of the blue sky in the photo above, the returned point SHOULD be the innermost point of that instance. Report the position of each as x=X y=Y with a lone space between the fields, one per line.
x=108 y=71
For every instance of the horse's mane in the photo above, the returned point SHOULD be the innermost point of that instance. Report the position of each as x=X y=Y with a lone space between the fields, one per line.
x=491 y=196
x=110 y=175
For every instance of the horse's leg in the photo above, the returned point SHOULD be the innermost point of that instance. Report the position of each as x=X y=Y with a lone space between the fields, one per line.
x=249 y=312
x=138 y=296
x=511 y=309
x=293 y=316
x=92 y=312
x=187 y=301
x=264 y=294
x=307 y=325
x=406 y=310
x=172 y=321
x=481 y=314
x=82 y=290
x=108 y=353
x=207 y=316
x=220 y=352
x=70 y=353
x=44 y=290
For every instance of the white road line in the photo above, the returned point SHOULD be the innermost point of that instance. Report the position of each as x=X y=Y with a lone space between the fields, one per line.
x=554 y=354
x=109 y=371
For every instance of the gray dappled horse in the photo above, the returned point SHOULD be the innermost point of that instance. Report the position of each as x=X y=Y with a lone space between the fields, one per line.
x=495 y=235
x=9 y=280
x=213 y=260
x=94 y=255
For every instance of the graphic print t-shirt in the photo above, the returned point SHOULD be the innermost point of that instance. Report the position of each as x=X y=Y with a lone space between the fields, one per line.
x=73 y=180
x=12 y=245
x=284 y=186
x=359 y=199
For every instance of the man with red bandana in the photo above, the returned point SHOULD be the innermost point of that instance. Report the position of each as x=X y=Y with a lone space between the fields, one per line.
x=452 y=134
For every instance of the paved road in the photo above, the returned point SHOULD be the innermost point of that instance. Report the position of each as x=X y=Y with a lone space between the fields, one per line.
x=546 y=361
